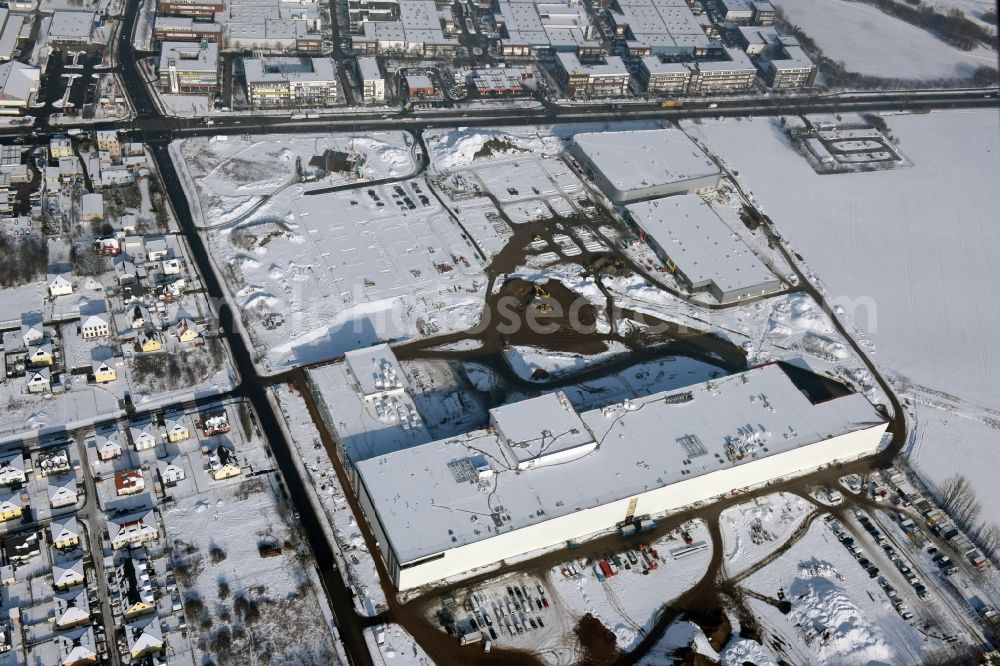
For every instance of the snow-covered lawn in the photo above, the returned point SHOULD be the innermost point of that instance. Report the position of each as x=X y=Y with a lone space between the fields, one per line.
x=870 y=42
x=913 y=251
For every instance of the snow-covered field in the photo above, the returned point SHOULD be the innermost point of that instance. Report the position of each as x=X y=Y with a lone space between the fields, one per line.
x=216 y=535
x=913 y=251
x=870 y=42
x=317 y=275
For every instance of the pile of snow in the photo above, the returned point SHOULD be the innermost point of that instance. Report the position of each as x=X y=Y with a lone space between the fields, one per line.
x=831 y=624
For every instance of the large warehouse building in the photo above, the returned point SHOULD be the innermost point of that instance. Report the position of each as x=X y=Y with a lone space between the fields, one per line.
x=543 y=474
x=634 y=166
x=698 y=247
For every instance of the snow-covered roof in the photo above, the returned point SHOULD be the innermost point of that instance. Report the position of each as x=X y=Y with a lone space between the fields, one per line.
x=700 y=243
x=542 y=430
x=189 y=56
x=612 y=66
x=646 y=158
x=73 y=25
x=288 y=68
x=429 y=500
x=71 y=608
x=376 y=370
x=368 y=427
x=67 y=573
x=64 y=528
x=368 y=68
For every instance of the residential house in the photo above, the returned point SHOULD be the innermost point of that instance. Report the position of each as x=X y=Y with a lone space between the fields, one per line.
x=68 y=574
x=139 y=316
x=177 y=430
x=223 y=463
x=60 y=285
x=171 y=471
x=52 y=461
x=11 y=506
x=171 y=266
x=129 y=482
x=62 y=490
x=64 y=532
x=77 y=647
x=144 y=436
x=103 y=370
x=143 y=637
x=12 y=470
x=156 y=248
x=214 y=423
x=39 y=380
x=149 y=341
x=108 y=444
x=41 y=354
x=125 y=270
x=107 y=141
x=92 y=207
x=186 y=330
x=21 y=547
x=94 y=319
x=136 y=589
x=32 y=330
x=71 y=609
x=133 y=530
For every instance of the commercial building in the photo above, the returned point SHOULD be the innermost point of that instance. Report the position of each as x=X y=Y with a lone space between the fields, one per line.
x=764 y=12
x=666 y=27
x=735 y=75
x=189 y=67
x=70 y=27
x=371 y=79
x=735 y=11
x=451 y=506
x=283 y=82
x=529 y=28
x=786 y=66
x=367 y=401
x=605 y=79
x=18 y=87
x=181 y=29
x=663 y=78
x=637 y=165
x=10 y=33
x=702 y=252
x=499 y=80
x=272 y=26
x=403 y=27
x=189 y=8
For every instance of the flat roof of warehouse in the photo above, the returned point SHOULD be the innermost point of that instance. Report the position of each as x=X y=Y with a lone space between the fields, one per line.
x=460 y=490
x=700 y=243
x=645 y=158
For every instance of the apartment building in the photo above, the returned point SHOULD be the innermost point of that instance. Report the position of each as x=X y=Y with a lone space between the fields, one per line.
x=606 y=79
x=372 y=82
x=189 y=67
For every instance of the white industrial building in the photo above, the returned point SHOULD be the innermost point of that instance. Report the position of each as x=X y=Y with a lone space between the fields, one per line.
x=366 y=400
x=699 y=249
x=451 y=506
x=637 y=165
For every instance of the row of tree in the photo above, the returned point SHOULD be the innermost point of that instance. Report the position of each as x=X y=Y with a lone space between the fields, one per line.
x=958 y=499
x=22 y=258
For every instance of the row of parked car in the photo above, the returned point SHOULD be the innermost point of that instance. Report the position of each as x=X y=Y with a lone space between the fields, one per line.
x=898 y=560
